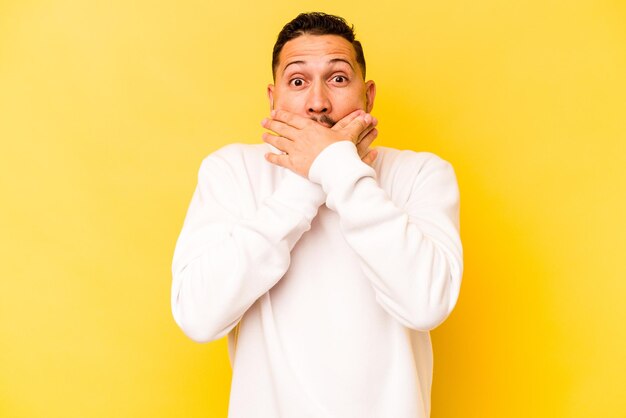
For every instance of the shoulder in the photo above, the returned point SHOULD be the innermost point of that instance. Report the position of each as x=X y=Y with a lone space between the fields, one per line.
x=237 y=153
x=411 y=164
x=239 y=170
x=408 y=176
x=237 y=158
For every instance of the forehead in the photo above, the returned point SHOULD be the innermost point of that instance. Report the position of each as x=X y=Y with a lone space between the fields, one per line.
x=310 y=48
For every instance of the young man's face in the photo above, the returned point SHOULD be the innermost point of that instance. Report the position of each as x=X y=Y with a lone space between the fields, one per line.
x=318 y=77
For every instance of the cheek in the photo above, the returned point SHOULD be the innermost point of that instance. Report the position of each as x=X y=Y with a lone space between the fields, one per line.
x=287 y=101
x=350 y=101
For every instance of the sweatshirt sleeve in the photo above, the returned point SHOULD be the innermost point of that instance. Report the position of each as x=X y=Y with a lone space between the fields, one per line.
x=227 y=257
x=410 y=252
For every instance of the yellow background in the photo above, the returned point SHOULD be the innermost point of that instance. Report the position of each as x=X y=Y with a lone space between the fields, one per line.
x=108 y=107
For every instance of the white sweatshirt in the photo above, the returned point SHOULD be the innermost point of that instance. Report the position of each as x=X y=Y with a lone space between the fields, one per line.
x=326 y=287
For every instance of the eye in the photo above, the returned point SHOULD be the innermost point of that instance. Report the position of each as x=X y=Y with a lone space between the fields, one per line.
x=340 y=79
x=297 y=82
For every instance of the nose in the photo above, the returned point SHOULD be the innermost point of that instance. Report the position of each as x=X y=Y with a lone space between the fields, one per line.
x=318 y=100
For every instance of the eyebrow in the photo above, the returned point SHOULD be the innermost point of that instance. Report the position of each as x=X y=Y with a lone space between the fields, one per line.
x=332 y=61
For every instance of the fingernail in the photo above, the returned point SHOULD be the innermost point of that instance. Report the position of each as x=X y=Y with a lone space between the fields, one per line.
x=273 y=113
x=263 y=122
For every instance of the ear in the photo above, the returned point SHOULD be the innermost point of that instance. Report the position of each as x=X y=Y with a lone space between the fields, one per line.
x=270 y=95
x=370 y=95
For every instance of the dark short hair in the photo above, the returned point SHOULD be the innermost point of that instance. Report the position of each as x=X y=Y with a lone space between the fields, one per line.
x=317 y=23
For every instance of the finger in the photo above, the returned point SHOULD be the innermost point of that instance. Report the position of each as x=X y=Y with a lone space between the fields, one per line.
x=290 y=119
x=281 y=143
x=362 y=147
x=366 y=132
x=279 y=127
x=345 y=121
x=370 y=157
x=281 y=160
x=357 y=126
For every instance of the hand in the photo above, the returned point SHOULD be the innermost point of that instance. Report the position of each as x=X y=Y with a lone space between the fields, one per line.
x=302 y=139
x=368 y=156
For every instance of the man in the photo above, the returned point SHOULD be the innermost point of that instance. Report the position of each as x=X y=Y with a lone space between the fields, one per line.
x=324 y=261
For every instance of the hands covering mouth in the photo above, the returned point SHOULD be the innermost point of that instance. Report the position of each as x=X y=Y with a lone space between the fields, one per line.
x=302 y=139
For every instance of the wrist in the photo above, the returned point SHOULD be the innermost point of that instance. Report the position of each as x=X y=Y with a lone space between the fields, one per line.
x=300 y=194
x=336 y=162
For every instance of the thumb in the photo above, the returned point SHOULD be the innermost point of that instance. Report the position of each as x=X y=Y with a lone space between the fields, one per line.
x=370 y=157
